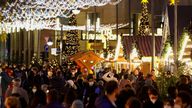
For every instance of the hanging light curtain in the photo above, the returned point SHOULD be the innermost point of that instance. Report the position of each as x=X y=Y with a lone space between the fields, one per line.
x=39 y=14
x=44 y=9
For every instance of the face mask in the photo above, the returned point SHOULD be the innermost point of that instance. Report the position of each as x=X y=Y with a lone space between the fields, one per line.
x=177 y=106
x=34 y=90
x=23 y=68
x=91 y=83
x=153 y=100
x=167 y=106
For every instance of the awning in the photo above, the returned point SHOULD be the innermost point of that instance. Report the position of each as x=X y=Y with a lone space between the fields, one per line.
x=143 y=44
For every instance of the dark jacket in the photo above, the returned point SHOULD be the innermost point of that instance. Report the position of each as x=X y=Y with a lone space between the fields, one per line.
x=54 y=105
x=157 y=104
x=5 y=81
x=103 y=102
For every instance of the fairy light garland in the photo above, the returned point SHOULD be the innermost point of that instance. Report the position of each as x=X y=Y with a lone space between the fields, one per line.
x=144 y=28
x=43 y=9
x=41 y=14
x=50 y=25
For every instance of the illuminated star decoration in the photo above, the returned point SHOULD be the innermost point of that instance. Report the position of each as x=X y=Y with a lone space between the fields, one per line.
x=172 y=2
x=144 y=1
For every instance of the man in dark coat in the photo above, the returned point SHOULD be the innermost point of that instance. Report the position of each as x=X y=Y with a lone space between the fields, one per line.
x=52 y=99
x=154 y=100
x=108 y=100
x=5 y=80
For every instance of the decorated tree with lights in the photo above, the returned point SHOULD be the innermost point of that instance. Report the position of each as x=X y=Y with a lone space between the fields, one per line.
x=72 y=39
x=36 y=61
x=144 y=21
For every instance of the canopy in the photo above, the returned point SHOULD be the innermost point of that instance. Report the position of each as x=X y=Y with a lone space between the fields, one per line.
x=86 y=59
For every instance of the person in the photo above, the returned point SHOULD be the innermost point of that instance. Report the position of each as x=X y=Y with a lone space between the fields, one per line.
x=12 y=102
x=52 y=99
x=150 y=82
x=153 y=74
x=140 y=82
x=124 y=82
x=143 y=94
x=89 y=92
x=99 y=90
x=80 y=88
x=38 y=100
x=124 y=95
x=133 y=102
x=16 y=89
x=23 y=103
x=109 y=76
x=168 y=102
x=44 y=88
x=154 y=100
x=172 y=92
x=70 y=96
x=183 y=100
x=77 y=104
x=108 y=100
x=122 y=73
x=34 y=78
x=136 y=73
x=5 y=80
x=184 y=84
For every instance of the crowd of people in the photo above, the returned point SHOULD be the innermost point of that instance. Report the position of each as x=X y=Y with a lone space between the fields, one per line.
x=66 y=86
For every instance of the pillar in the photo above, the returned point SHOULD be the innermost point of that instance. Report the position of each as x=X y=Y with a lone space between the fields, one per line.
x=35 y=41
x=25 y=46
x=29 y=47
x=19 y=46
x=39 y=43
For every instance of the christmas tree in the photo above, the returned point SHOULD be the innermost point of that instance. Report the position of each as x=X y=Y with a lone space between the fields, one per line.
x=72 y=40
x=144 y=21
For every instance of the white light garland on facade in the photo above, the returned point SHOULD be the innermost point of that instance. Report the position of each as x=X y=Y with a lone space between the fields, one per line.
x=51 y=25
x=184 y=44
x=134 y=53
x=117 y=50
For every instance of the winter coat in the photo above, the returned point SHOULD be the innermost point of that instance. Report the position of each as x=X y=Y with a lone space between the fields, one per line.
x=103 y=102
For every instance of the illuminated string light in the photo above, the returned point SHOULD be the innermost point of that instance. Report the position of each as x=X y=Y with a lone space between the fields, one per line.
x=144 y=21
x=40 y=14
x=72 y=39
x=51 y=25
x=117 y=50
x=44 y=9
x=168 y=53
x=184 y=44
